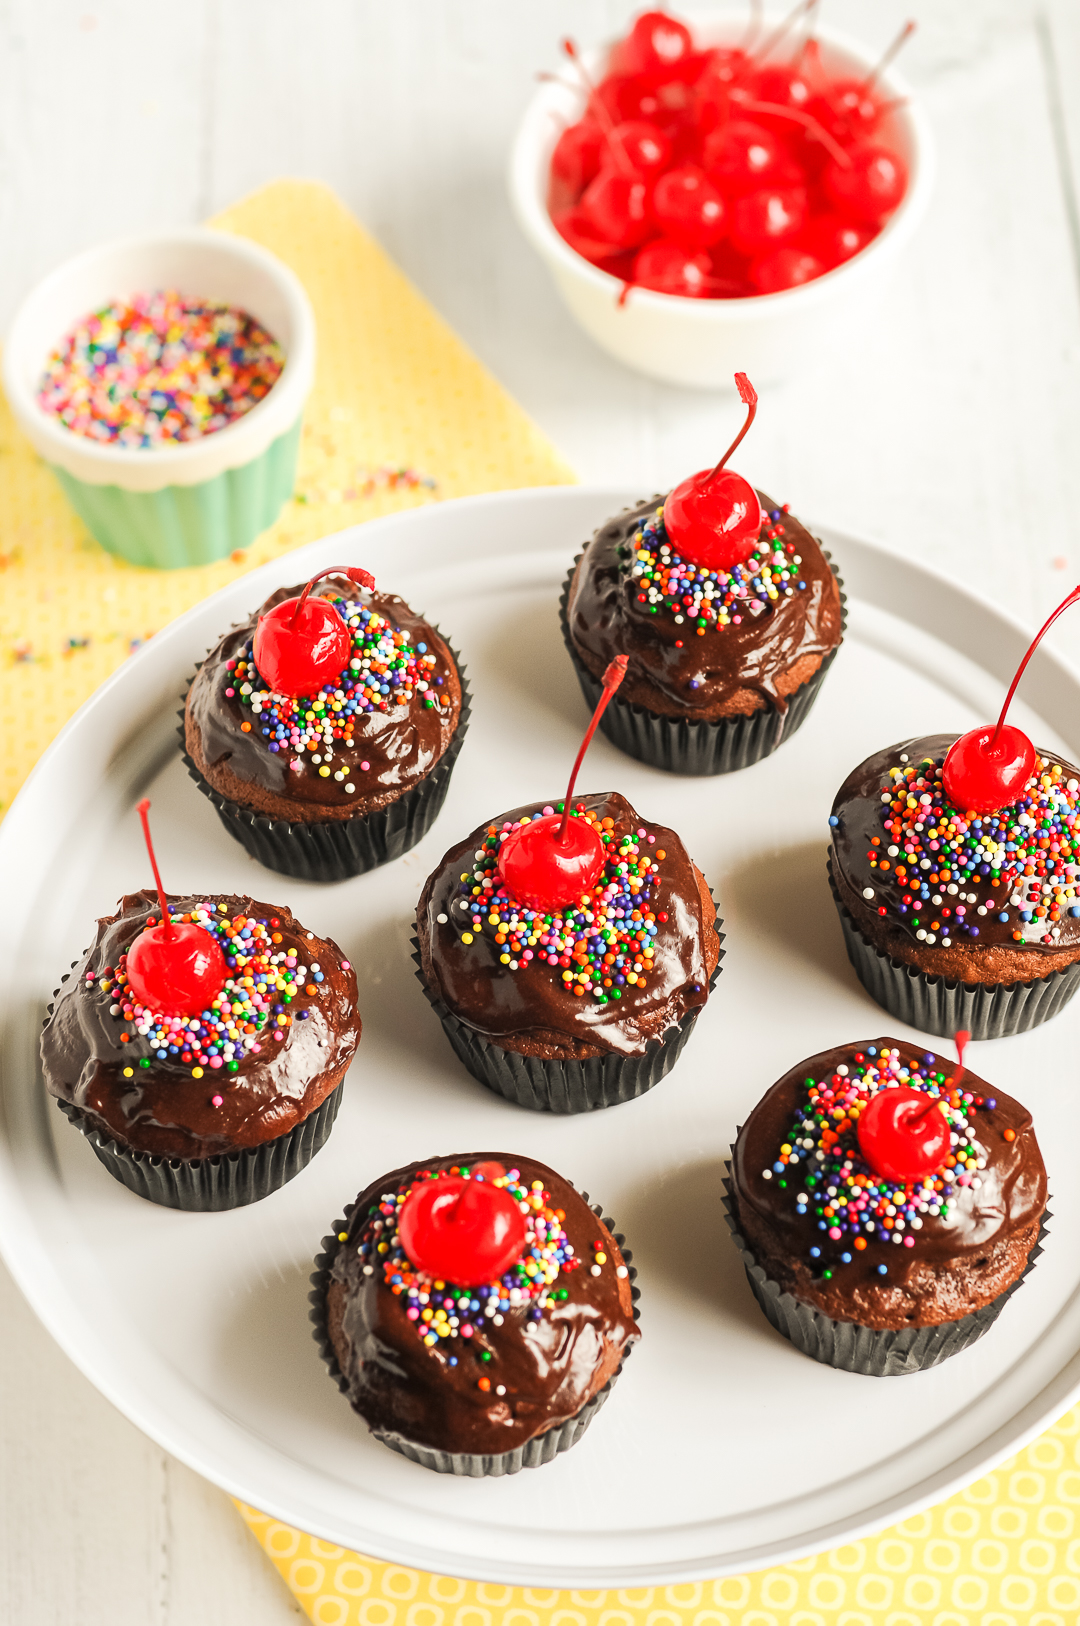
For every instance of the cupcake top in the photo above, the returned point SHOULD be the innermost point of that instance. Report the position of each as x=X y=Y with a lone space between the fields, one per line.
x=263 y=1055
x=357 y=744
x=1009 y=879
x=628 y=961
x=705 y=643
x=487 y=1366
x=858 y=1241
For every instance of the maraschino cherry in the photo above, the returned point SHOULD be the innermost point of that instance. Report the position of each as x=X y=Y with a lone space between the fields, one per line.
x=713 y=519
x=551 y=861
x=173 y=969
x=462 y=1229
x=303 y=642
x=902 y=1135
x=987 y=768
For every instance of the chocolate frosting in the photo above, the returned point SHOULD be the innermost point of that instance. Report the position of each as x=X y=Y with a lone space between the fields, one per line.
x=606 y=619
x=401 y=1386
x=858 y=810
x=400 y=746
x=1010 y=1199
x=534 y=1002
x=162 y=1109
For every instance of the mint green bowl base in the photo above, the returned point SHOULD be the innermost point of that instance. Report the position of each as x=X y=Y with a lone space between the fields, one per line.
x=189 y=525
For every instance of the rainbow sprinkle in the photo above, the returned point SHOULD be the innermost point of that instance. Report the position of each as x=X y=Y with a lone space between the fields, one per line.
x=600 y=947
x=385 y=671
x=252 y=1006
x=852 y=1204
x=443 y=1311
x=701 y=598
x=159 y=370
x=931 y=853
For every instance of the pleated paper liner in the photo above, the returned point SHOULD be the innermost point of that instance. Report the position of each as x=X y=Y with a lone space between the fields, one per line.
x=700 y=748
x=467 y=1465
x=936 y=1005
x=868 y=1351
x=338 y=849
x=212 y=1184
x=564 y=1086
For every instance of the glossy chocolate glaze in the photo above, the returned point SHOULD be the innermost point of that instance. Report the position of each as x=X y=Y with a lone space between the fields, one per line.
x=727 y=663
x=1006 y=1207
x=858 y=808
x=400 y=1386
x=163 y=1110
x=534 y=1003
x=401 y=746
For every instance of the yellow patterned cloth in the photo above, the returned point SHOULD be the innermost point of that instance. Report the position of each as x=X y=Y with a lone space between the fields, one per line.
x=1004 y=1552
x=402 y=414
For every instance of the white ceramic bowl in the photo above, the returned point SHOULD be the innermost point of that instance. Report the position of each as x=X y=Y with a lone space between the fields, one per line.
x=703 y=342
x=189 y=503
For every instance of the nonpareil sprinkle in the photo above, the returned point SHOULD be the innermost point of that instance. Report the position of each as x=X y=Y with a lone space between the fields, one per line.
x=159 y=369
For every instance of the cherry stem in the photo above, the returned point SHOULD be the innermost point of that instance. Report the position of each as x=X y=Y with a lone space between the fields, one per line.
x=962 y=1039
x=753 y=27
x=813 y=128
x=748 y=394
x=143 y=808
x=364 y=577
x=612 y=678
x=599 y=111
x=1072 y=598
x=900 y=40
x=785 y=27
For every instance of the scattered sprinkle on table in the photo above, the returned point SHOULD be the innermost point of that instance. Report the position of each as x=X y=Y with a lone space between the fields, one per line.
x=158 y=370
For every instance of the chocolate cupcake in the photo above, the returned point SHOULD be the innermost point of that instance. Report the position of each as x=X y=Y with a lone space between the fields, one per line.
x=953 y=918
x=337 y=757
x=217 y=1107
x=729 y=610
x=886 y=1206
x=476 y=1311
x=571 y=1008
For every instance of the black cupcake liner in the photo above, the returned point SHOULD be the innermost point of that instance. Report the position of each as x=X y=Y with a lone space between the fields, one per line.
x=564 y=1085
x=338 y=849
x=868 y=1351
x=468 y=1465
x=701 y=748
x=992 y=1010
x=209 y=1185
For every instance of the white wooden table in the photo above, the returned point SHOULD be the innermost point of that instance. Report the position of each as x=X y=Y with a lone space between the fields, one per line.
x=950 y=431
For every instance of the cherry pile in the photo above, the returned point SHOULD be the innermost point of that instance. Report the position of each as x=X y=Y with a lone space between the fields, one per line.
x=723 y=173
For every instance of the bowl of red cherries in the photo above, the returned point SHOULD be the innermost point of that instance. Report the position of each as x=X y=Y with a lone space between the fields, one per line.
x=722 y=193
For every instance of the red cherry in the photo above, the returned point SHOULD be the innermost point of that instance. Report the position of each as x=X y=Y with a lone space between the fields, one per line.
x=903 y=1134
x=303 y=643
x=656 y=42
x=832 y=240
x=785 y=268
x=578 y=154
x=846 y=110
x=987 y=768
x=577 y=229
x=687 y=207
x=461 y=1230
x=768 y=218
x=174 y=970
x=713 y=519
x=870 y=186
x=646 y=146
x=616 y=206
x=668 y=268
x=713 y=92
x=667 y=103
x=742 y=155
x=787 y=87
x=551 y=861
x=982 y=773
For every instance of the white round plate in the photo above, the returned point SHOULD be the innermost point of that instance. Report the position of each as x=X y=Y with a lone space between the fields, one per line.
x=723 y=1449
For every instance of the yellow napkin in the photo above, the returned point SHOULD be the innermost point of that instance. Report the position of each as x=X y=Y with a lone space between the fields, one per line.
x=1004 y=1552
x=402 y=414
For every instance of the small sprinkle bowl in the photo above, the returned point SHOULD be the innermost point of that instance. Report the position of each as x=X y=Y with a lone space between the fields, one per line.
x=177 y=505
x=702 y=343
